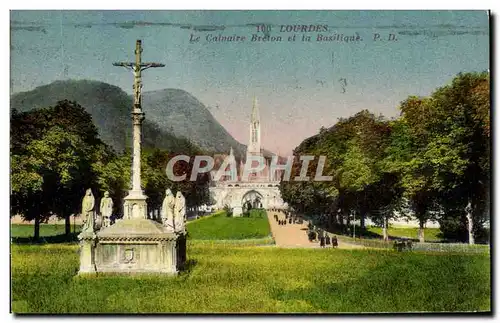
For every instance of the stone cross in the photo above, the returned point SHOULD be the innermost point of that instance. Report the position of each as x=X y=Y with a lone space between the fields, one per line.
x=135 y=202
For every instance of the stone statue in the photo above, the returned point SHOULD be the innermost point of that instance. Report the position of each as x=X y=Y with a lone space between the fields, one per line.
x=179 y=212
x=167 y=210
x=106 y=209
x=88 y=204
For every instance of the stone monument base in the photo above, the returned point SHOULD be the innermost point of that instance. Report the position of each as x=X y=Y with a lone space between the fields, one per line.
x=87 y=252
x=237 y=211
x=136 y=246
x=134 y=206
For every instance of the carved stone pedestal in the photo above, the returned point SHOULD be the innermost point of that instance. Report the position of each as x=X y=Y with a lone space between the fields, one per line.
x=87 y=251
x=134 y=206
x=139 y=246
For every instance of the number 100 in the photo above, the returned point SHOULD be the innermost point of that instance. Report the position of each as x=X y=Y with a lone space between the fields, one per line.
x=263 y=28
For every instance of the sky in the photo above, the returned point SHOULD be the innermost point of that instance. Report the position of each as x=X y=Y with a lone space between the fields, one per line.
x=300 y=86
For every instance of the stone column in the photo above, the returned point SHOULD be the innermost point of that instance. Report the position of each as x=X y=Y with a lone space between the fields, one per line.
x=137 y=117
x=87 y=252
x=135 y=203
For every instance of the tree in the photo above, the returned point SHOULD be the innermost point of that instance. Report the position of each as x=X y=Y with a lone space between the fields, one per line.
x=52 y=151
x=405 y=159
x=56 y=154
x=113 y=175
x=434 y=160
x=463 y=108
x=451 y=155
x=353 y=148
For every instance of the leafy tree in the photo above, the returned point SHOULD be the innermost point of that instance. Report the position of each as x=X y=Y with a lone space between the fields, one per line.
x=459 y=150
x=434 y=160
x=449 y=158
x=352 y=148
x=52 y=152
x=405 y=159
x=56 y=154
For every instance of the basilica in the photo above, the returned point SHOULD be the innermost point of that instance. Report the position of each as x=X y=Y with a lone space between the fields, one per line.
x=240 y=192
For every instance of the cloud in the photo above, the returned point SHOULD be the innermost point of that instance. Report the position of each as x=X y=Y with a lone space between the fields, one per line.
x=20 y=22
x=431 y=30
x=29 y=28
x=83 y=25
x=133 y=24
x=202 y=27
x=442 y=33
x=408 y=27
x=140 y=23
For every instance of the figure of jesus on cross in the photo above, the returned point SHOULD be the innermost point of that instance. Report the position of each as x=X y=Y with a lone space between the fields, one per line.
x=135 y=202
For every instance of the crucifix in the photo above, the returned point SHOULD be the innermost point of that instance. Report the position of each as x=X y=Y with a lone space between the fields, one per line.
x=135 y=202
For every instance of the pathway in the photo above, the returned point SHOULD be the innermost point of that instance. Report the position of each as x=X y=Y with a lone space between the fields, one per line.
x=295 y=235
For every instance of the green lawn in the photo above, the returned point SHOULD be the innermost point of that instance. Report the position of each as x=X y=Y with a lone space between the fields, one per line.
x=226 y=278
x=222 y=227
x=46 y=230
x=213 y=227
x=430 y=234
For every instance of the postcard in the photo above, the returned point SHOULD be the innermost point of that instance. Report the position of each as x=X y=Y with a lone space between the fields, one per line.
x=250 y=161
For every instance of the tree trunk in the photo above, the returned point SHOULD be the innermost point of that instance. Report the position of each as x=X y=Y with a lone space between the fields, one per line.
x=347 y=223
x=384 y=230
x=470 y=224
x=486 y=211
x=67 y=225
x=421 y=237
x=330 y=221
x=36 y=234
x=469 y=227
x=362 y=220
x=487 y=202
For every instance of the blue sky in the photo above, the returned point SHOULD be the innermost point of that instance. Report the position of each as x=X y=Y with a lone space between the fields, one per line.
x=296 y=83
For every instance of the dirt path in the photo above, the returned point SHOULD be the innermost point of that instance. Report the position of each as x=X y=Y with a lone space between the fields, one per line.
x=295 y=235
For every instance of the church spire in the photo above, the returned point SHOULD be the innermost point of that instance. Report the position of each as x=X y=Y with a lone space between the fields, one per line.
x=254 y=142
x=255 y=111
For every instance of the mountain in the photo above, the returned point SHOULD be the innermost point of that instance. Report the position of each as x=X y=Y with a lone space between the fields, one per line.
x=174 y=118
x=181 y=113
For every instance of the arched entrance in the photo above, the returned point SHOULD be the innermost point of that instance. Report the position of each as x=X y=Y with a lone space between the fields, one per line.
x=252 y=200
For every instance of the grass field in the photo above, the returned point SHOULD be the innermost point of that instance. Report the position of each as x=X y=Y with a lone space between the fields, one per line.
x=243 y=276
x=212 y=227
x=46 y=230
x=229 y=278
x=430 y=234
x=222 y=227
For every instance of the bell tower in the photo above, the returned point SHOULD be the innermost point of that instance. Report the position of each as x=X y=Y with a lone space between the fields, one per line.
x=254 y=142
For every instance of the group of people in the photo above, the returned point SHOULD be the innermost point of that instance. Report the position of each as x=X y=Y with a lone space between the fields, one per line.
x=325 y=239
x=284 y=217
x=319 y=235
x=173 y=212
x=315 y=234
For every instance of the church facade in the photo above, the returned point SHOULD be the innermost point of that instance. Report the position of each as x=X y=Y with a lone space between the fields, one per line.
x=240 y=191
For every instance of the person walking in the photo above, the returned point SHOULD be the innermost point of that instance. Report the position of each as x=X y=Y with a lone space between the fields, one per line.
x=321 y=238
x=334 y=242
